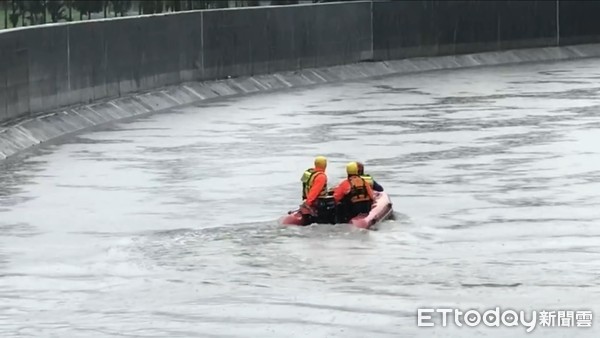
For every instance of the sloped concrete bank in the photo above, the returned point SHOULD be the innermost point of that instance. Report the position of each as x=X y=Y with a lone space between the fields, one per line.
x=19 y=135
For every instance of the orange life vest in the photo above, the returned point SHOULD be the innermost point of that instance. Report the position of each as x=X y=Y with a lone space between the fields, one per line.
x=358 y=190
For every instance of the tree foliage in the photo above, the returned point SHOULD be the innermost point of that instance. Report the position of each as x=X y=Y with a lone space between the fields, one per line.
x=88 y=7
x=57 y=10
x=123 y=6
x=4 y=6
x=33 y=12
x=14 y=14
x=219 y=4
x=152 y=6
x=36 y=10
x=174 y=5
x=284 y=2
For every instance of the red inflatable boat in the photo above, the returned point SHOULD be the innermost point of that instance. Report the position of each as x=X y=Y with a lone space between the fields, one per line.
x=380 y=211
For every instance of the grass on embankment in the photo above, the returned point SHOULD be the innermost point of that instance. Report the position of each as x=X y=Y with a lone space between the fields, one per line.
x=74 y=15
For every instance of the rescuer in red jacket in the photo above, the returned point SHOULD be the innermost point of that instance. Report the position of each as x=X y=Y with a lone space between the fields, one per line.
x=353 y=196
x=314 y=186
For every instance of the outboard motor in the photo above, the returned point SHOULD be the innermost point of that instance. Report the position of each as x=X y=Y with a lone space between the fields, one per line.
x=326 y=210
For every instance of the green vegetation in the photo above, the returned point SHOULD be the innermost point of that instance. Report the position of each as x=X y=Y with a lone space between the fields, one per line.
x=19 y=13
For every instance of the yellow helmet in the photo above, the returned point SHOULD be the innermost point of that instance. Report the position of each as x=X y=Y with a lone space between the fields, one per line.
x=321 y=162
x=352 y=168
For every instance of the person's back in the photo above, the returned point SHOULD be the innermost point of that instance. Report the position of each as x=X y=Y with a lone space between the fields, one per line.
x=353 y=196
x=360 y=198
x=314 y=189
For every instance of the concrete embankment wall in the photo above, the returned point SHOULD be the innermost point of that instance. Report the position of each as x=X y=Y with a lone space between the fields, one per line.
x=46 y=67
x=64 y=78
x=404 y=29
x=33 y=131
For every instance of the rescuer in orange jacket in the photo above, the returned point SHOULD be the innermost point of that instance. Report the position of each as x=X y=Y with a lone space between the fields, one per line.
x=353 y=196
x=314 y=186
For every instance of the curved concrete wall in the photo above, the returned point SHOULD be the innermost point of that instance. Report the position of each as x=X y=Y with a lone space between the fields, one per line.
x=33 y=131
x=46 y=67
x=84 y=74
x=428 y=28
